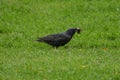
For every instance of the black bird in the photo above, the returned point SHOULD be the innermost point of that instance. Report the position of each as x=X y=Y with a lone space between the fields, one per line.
x=60 y=39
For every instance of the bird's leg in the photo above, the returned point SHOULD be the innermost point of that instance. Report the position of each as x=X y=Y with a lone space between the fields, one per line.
x=55 y=47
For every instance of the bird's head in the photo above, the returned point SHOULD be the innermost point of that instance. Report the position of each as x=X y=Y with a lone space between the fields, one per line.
x=72 y=31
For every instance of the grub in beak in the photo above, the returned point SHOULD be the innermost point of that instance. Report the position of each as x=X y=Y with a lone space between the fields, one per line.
x=78 y=30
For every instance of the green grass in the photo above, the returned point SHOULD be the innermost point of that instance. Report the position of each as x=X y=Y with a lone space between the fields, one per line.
x=92 y=55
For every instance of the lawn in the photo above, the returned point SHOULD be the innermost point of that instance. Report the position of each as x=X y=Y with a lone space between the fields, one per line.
x=92 y=55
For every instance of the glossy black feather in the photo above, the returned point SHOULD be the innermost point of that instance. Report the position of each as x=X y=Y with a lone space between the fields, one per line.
x=60 y=39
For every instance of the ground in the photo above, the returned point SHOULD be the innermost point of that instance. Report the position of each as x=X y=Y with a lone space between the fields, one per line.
x=92 y=55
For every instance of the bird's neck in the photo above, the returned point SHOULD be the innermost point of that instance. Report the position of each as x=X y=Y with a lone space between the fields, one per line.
x=70 y=33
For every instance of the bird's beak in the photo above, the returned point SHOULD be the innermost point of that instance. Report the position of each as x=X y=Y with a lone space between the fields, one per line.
x=78 y=30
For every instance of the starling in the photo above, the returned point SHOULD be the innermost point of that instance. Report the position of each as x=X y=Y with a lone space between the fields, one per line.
x=60 y=39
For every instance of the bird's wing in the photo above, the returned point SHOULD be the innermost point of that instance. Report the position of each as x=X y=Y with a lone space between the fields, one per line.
x=62 y=37
x=46 y=38
x=54 y=37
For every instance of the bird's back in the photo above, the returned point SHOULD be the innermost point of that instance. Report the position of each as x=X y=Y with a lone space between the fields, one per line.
x=56 y=40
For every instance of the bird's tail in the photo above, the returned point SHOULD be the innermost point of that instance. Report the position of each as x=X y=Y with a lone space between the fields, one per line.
x=39 y=40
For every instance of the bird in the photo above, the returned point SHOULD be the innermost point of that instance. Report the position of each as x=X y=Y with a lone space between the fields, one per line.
x=60 y=39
